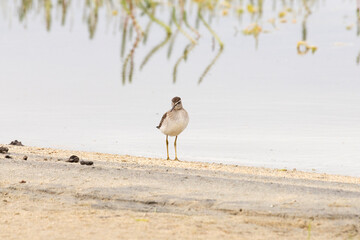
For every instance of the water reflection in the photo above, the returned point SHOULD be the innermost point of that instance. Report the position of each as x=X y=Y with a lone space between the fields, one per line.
x=358 y=27
x=176 y=18
x=260 y=103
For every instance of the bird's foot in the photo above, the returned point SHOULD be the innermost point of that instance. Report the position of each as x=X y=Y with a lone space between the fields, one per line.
x=168 y=158
x=176 y=159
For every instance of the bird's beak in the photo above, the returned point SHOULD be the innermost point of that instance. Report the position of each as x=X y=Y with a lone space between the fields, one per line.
x=175 y=105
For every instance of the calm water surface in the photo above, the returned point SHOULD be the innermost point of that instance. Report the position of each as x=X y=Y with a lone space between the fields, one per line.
x=261 y=104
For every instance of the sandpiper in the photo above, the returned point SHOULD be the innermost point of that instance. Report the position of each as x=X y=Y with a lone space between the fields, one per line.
x=174 y=122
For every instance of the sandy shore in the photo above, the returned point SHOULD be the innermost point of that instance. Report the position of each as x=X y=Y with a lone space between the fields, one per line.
x=127 y=197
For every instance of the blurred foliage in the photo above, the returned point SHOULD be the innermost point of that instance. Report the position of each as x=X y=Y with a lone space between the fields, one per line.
x=182 y=17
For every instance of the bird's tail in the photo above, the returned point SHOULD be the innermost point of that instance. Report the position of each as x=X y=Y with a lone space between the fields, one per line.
x=158 y=127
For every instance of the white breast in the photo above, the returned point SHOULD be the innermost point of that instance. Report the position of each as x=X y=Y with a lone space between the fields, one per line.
x=175 y=122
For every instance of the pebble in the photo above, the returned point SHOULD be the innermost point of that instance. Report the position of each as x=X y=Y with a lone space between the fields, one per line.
x=8 y=156
x=4 y=149
x=82 y=162
x=73 y=159
x=22 y=181
x=25 y=158
x=16 y=143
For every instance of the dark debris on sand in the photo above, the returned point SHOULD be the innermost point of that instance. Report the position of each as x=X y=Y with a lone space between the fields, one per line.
x=16 y=143
x=73 y=159
x=82 y=162
x=4 y=149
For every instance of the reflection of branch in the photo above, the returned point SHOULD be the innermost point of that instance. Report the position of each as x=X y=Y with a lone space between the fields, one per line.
x=123 y=40
x=131 y=28
x=358 y=27
x=178 y=25
x=153 y=18
x=307 y=14
x=64 y=6
x=131 y=68
x=124 y=69
x=171 y=44
x=207 y=69
x=155 y=49
x=187 y=49
x=306 y=6
x=139 y=34
x=161 y=44
x=130 y=56
x=210 y=65
x=48 y=7
x=93 y=19
x=304 y=28
x=173 y=38
x=25 y=6
x=358 y=17
x=147 y=29
x=260 y=8
x=191 y=28
x=210 y=29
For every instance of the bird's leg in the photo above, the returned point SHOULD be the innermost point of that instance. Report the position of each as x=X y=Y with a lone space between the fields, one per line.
x=167 y=147
x=176 y=159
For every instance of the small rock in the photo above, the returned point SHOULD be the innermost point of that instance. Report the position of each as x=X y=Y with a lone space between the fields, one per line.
x=4 y=149
x=25 y=158
x=8 y=156
x=22 y=181
x=16 y=143
x=73 y=159
x=82 y=162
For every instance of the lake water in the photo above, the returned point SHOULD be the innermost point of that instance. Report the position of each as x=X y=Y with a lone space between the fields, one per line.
x=261 y=104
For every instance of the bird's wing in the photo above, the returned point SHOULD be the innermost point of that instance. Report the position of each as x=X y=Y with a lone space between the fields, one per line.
x=162 y=120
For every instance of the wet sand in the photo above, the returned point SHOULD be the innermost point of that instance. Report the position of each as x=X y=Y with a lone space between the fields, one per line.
x=127 y=197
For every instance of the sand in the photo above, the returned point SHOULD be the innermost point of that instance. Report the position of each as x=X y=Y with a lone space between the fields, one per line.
x=128 y=197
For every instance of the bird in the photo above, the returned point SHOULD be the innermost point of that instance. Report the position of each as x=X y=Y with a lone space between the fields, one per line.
x=173 y=122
